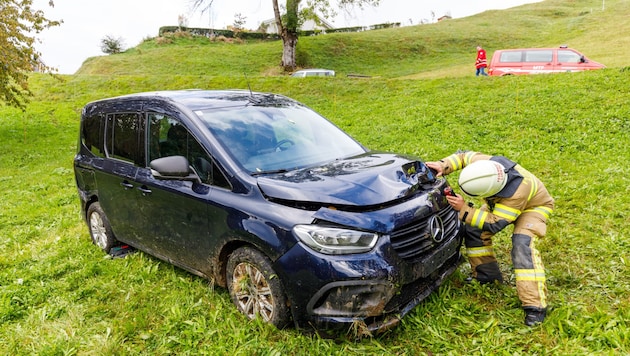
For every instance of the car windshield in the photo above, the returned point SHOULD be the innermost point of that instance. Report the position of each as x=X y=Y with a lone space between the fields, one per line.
x=265 y=139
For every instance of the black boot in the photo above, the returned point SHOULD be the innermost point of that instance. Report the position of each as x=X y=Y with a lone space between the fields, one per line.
x=534 y=315
x=489 y=273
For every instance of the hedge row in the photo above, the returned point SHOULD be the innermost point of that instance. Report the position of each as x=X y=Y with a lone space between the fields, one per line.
x=209 y=32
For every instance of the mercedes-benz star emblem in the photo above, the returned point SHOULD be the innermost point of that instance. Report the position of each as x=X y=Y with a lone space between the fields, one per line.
x=437 y=228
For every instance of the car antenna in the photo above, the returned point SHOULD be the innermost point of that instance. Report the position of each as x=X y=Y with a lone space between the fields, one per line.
x=248 y=86
x=252 y=98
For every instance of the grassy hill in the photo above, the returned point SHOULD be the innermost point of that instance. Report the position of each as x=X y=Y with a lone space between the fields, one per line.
x=422 y=51
x=60 y=296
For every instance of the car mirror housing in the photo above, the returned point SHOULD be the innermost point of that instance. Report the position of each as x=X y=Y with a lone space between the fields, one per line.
x=172 y=167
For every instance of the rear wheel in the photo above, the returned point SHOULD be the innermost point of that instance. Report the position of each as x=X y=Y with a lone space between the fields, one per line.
x=255 y=288
x=100 y=229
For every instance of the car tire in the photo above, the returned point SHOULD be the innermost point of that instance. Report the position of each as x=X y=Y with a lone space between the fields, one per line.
x=100 y=229
x=255 y=288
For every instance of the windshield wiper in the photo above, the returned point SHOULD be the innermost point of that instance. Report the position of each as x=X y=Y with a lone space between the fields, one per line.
x=272 y=171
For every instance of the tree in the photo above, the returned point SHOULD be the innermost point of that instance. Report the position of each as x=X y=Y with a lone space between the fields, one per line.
x=18 y=57
x=293 y=15
x=239 y=21
x=111 y=45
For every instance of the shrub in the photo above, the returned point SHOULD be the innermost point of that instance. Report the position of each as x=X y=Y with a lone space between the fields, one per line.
x=111 y=45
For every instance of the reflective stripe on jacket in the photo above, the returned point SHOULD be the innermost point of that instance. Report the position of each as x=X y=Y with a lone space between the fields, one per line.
x=481 y=59
x=506 y=206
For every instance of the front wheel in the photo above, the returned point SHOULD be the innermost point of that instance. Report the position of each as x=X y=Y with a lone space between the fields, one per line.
x=255 y=288
x=100 y=229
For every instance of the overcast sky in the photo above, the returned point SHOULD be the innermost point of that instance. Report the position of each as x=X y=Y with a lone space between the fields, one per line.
x=86 y=22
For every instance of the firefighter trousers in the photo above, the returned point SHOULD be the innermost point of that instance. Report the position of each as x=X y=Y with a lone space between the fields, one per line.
x=529 y=270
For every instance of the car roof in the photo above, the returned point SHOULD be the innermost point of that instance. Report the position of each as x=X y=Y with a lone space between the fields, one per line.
x=196 y=99
x=533 y=48
x=314 y=70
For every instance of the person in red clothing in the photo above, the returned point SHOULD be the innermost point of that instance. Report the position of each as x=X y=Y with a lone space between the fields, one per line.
x=481 y=63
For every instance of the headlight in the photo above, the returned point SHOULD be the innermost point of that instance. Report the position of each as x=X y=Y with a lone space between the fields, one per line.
x=335 y=241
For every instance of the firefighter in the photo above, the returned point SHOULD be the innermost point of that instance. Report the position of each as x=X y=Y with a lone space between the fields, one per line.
x=513 y=196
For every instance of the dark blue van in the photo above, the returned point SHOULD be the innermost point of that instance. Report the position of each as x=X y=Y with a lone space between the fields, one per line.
x=260 y=194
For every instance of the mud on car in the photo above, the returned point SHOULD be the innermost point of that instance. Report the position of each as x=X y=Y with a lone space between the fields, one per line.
x=302 y=224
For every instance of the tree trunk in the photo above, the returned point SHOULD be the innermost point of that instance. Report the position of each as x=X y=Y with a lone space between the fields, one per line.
x=289 y=46
x=288 y=30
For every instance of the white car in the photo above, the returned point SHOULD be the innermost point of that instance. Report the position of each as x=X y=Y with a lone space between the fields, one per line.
x=314 y=73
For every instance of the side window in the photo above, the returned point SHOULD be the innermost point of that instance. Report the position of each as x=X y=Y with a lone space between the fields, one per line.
x=568 y=57
x=539 y=56
x=92 y=135
x=124 y=137
x=165 y=137
x=168 y=137
x=511 y=57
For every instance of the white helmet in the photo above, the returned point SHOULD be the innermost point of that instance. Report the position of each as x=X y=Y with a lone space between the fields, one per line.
x=483 y=178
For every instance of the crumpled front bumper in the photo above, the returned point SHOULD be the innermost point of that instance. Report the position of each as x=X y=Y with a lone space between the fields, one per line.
x=374 y=292
x=381 y=316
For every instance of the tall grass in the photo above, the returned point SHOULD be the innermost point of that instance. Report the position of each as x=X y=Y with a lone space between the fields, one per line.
x=59 y=295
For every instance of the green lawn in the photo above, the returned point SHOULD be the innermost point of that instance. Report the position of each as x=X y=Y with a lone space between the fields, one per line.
x=59 y=294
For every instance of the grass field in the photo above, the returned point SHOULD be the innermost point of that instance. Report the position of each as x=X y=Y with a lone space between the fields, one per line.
x=59 y=295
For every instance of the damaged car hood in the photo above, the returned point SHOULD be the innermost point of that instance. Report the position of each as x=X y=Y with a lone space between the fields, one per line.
x=369 y=179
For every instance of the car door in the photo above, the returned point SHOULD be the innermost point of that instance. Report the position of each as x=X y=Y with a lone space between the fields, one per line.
x=538 y=61
x=115 y=175
x=569 y=61
x=509 y=62
x=178 y=219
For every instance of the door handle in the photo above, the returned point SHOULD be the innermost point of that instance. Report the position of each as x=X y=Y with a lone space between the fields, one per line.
x=126 y=185
x=144 y=190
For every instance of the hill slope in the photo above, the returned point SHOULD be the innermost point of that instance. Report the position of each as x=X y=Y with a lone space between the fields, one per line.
x=434 y=50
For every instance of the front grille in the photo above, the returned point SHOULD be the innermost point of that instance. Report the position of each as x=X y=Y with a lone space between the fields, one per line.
x=414 y=241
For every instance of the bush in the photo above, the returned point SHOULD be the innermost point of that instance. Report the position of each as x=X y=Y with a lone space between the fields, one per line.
x=111 y=45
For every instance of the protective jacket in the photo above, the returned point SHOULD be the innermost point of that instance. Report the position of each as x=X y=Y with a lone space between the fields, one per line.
x=522 y=192
x=481 y=61
x=525 y=203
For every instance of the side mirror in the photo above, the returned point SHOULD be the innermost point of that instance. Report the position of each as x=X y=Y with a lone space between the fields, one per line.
x=583 y=59
x=172 y=167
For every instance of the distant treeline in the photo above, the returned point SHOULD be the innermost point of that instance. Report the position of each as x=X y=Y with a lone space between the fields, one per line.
x=209 y=32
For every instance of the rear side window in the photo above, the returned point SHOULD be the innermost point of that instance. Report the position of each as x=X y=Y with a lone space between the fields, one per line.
x=124 y=138
x=511 y=57
x=318 y=74
x=539 y=56
x=91 y=135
